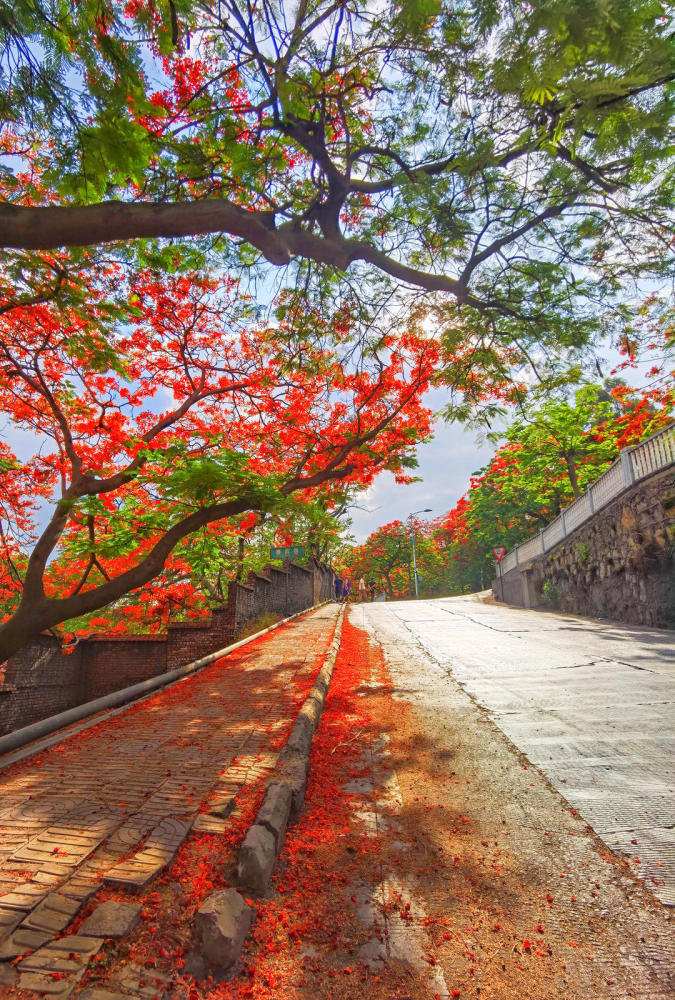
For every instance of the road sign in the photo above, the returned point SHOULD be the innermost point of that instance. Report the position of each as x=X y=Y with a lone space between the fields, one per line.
x=498 y=552
x=288 y=552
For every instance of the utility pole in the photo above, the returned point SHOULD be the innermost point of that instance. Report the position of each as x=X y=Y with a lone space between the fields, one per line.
x=427 y=510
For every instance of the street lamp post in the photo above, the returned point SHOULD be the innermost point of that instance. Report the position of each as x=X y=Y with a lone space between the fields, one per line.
x=427 y=510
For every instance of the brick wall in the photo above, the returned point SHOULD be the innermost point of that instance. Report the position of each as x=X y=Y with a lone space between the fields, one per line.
x=41 y=681
x=279 y=591
x=618 y=565
x=114 y=663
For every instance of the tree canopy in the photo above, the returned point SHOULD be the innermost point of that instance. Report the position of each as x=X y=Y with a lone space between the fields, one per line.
x=386 y=557
x=239 y=241
x=511 y=155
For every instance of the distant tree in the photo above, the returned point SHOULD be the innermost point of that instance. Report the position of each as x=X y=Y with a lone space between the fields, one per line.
x=552 y=453
x=386 y=557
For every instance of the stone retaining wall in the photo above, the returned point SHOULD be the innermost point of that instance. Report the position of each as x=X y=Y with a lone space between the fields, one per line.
x=40 y=680
x=619 y=565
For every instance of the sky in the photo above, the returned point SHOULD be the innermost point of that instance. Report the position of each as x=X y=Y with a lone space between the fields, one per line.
x=445 y=466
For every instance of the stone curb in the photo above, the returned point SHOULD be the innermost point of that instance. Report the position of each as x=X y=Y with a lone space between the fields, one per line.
x=281 y=806
x=294 y=758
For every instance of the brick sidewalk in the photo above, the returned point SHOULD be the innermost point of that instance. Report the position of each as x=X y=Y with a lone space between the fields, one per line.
x=71 y=816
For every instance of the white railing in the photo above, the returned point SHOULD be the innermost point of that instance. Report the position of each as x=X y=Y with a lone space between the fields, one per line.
x=578 y=512
x=653 y=454
x=609 y=485
x=633 y=464
x=528 y=550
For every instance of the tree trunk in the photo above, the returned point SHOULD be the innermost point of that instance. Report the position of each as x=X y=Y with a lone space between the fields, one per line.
x=240 y=559
x=572 y=475
x=27 y=622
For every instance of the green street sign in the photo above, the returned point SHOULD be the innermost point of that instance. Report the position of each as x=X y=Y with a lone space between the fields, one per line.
x=288 y=552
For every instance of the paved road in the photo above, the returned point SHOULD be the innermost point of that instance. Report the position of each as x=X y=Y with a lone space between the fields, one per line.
x=592 y=705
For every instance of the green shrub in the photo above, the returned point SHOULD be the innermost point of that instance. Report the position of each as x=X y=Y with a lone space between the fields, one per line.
x=549 y=594
x=583 y=552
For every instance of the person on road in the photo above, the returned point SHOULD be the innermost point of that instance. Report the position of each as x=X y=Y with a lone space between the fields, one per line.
x=363 y=591
x=346 y=589
x=338 y=589
x=371 y=588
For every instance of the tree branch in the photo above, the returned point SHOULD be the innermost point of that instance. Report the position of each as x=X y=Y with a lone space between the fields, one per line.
x=84 y=225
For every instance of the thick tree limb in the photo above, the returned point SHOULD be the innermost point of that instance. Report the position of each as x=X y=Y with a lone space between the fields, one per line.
x=84 y=225
x=43 y=228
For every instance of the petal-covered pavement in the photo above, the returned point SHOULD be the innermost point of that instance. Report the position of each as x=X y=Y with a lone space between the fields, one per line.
x=432 y=858
x=107 y=810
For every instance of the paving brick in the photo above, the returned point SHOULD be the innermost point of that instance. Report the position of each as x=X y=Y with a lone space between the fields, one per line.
x=130 y=833
x=57 y=989
x=82 y=889
x=159 y=849
x=102 y=995
x=84 y=944
x=24 y=897
x=53 y=914
x=22 y=940
x=136 y=873
x=47 y=960
x=144 y=983
x=112 y=919
x=208 y=823
x=46 y=879
x=9 y=919
x=222 y=805
x=9 y=974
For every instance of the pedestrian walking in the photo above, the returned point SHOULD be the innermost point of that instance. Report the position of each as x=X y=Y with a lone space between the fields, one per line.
x=346 y=589
x=363 y=591
x=338 y=589
x=371 y=588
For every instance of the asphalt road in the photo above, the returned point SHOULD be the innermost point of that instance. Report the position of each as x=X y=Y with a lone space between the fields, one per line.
x=591 y=704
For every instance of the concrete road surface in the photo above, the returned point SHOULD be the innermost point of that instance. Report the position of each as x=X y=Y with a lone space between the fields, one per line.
x=592 y=705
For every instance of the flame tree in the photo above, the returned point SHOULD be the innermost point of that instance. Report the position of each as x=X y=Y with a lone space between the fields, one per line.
x=182 y=413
